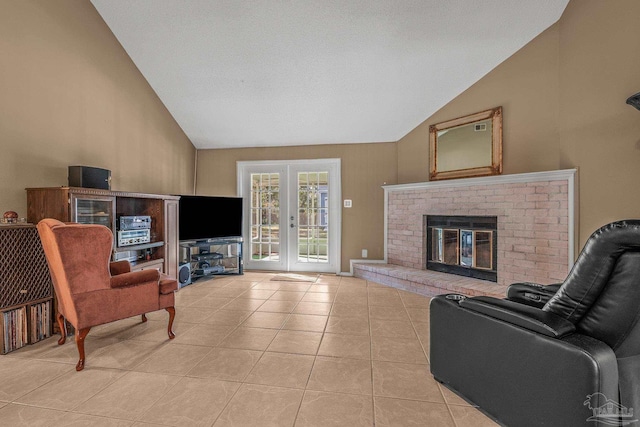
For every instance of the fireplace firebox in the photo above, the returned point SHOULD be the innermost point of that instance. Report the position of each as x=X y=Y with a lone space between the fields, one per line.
x=463 y=245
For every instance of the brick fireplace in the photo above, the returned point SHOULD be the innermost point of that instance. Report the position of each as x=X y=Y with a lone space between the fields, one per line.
x=535 y=224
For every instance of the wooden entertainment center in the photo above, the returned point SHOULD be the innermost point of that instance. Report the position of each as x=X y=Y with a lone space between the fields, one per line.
x=94 y=206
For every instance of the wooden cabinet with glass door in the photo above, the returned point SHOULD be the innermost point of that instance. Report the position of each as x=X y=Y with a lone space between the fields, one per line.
x=93 y=206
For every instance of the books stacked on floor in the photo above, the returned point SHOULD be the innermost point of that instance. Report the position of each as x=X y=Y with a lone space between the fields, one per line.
x=15 y=329
x=40 y=321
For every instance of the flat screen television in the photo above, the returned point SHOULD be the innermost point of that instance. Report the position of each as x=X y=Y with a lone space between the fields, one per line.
x=208 y=217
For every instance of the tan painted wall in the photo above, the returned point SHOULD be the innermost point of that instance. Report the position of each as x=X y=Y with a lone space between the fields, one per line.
x=563 y=97
x=69 y=95
x=365 y=168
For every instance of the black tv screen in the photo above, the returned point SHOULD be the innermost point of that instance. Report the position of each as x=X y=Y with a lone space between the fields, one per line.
x=208 y=217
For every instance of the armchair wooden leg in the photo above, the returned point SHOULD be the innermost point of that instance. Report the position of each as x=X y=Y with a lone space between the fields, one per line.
x=80 y=336
x=144 y=317
x=172 y=315
x=63 y=330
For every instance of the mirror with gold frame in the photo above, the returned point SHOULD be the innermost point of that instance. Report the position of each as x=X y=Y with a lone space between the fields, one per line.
x=466 y=147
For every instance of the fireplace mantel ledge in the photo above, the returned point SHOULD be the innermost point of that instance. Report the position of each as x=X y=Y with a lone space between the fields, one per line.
x=557 y=175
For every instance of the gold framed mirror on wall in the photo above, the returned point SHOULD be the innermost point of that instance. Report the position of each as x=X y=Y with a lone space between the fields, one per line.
x=466 y=147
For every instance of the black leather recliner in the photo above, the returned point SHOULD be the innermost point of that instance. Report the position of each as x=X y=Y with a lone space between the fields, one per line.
x=558 y=355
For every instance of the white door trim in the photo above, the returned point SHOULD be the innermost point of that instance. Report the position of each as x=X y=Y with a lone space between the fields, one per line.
x=335 y=205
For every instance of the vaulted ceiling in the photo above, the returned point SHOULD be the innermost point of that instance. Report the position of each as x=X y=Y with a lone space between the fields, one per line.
x=239 y=73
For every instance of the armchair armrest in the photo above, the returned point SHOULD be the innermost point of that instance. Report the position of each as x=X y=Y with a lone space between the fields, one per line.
x=119 y=267
x=527 y=317
x=134 y=278
x=532 y=293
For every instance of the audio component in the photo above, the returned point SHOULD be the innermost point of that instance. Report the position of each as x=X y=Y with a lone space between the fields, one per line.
x=134 y=222
x=184 y=275
x=133 y=237
x=88 y=177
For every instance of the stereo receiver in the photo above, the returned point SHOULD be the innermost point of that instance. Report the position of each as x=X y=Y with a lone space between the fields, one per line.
x=133 y=237
x=135 y=222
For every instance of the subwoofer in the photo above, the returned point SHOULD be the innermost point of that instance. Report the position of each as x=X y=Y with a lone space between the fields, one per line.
x=184 y=275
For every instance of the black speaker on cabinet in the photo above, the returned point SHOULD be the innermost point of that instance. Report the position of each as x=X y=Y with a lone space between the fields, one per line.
x=88 y=177
x=184 y=275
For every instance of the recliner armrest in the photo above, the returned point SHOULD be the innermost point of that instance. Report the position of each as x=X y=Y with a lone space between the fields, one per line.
x=527 y=317
x=135 y=278
x=532 y=293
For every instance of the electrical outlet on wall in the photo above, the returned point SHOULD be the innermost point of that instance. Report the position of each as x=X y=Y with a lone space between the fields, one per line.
x=365 y=253
x=347 y=203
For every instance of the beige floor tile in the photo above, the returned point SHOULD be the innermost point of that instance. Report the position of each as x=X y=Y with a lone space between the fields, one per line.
x=423 y=331
x=323 y=287
x=270 y=286
x=244 y=304
x=388 y=313
x=30 y=416
x=417 y=314
x=322 y=409
x=341 y=375
x=175 y=359
x=257 y=294
x=202 y=334
x=384 y=301
x=353 y=346
x=414 y=300
x=281 y=370
x=227 y=317
x=296 y=342
x=257 y=405
x=381 y=291
x=392 y=328
x=189 y=314
x=156 y=331
x=121 y=329
x=72 y=389
x=130 y=396
x=405 y=381
x=319 y=297
x=352 y=299
x=278 y=306
x=294 y=286
x=226 y=364
x=122 y=355
x=305 y=322
x=452 y=398
x=211 y=302
x=228 y=292
x=319 y=308
x=245 y=283
x=281 y=295
x=71 y=419
x=249 y=338
x=348 y=325
x=192 y=402
x=467 y=416
x=184 y=300
x=267 y=320
x=350 y=310
x=393 y=349
x=407 y=413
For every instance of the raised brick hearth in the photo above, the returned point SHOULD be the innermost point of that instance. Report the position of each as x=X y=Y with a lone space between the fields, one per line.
x=535 y=214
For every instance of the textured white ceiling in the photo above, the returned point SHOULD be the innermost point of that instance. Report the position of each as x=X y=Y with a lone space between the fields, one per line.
x=292 y=72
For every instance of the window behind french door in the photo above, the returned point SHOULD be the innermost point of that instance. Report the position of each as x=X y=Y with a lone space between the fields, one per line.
x=291 y=214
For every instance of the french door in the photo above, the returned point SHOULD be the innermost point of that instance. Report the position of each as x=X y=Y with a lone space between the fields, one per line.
x=291 y=214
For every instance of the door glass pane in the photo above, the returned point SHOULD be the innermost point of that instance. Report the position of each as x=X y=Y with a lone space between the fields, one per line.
x=313 y=218
x=265 y=216
x=92 y=211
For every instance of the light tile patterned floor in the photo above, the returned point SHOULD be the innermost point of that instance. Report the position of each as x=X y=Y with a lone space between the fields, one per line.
x=248 y=351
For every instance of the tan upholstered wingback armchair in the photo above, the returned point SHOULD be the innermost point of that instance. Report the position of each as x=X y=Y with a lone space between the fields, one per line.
x=92 y=291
